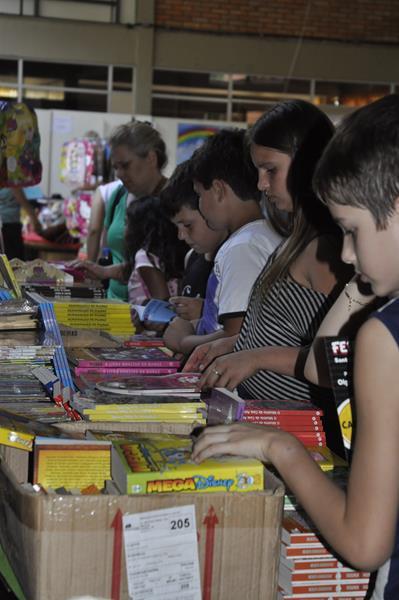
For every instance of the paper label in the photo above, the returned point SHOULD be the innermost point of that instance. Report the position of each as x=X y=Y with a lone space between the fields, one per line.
x=162 y=554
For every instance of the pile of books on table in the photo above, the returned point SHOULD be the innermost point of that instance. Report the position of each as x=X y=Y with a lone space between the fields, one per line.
x=299 y=418
x=160 y=398
x=308 y=569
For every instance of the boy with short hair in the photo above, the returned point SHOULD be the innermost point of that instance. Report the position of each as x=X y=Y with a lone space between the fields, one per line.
x=358 y=178
x=226 y=182
x=180 y=203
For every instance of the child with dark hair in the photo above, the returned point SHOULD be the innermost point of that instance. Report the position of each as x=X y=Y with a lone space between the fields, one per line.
x=358 y=179
x=225 y=180
x=297 y=286
x=156 y=255
x=180 y=202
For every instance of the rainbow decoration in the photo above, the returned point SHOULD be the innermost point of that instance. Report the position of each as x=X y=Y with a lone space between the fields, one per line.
x=190 y=137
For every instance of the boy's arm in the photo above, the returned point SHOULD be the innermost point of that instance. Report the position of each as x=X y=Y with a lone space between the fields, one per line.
x=360 y=525
x=180 y=336
x=344 y=317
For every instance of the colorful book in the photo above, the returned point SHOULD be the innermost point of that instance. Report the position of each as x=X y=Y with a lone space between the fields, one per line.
x=177 y=383
x=71 y=464
x=19 y=431
x=281 y=408
x=156 y=311
x=125 y=371
x=144 y=341
x=121 y=358
x=161 y=463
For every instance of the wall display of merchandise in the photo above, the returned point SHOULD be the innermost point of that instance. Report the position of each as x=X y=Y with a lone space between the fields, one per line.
x=84 y=165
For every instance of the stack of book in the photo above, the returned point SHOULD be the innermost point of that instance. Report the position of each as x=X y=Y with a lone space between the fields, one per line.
x=109 y=315
x=168 y=399
x=309 y=570
x=57 y=291
x=298 y=418
x=17 y=314
x=94 y=405
x=123 y=361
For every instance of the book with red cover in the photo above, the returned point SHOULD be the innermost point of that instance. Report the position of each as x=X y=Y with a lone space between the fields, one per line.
x=287 y=426
x=144 y=341
x=121 y=357
x=306 y=563
x=281 y=407
x=177 y=383
x=344 y=573
x=325 y=588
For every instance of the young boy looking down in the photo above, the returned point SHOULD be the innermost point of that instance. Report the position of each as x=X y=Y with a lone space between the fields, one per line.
x=226 y=183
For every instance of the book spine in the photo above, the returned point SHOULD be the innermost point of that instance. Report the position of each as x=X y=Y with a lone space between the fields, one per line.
x=309 y=550
x=305 y=564
x=282 y=413
x=129 y=364
x=125 y=372
x=144 y=344
x=323 y=589
x=323 y=575
x=298 y=538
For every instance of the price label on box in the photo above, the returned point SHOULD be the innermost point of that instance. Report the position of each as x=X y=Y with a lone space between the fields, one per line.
x=162 y=554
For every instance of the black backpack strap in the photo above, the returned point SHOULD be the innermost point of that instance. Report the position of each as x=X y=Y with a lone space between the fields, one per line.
x=118 y=196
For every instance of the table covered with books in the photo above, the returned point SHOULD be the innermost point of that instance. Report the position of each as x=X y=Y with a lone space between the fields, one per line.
x=98 y=492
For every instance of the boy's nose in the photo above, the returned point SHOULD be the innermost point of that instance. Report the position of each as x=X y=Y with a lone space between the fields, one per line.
x=348 y=254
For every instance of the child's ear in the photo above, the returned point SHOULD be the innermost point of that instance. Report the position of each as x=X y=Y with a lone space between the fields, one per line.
x=218 y=189
x=397 y=205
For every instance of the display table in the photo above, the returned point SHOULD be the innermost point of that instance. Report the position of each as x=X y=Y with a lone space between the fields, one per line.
x=37 y=246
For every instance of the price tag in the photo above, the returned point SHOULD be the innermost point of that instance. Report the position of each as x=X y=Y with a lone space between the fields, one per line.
x=162 y=554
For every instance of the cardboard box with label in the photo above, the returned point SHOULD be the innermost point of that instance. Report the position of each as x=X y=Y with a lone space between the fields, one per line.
x=61 y=546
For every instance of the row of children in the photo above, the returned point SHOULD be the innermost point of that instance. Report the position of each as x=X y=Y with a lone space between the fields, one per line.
x=267 y=329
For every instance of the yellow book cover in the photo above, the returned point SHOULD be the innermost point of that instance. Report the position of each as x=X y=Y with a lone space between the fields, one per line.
x=326 y=459
x=159 y=463
x=8 y=276
x=19 y=431
x=71 y=464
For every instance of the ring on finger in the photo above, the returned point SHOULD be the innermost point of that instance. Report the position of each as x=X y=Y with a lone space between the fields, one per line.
x=216 y=372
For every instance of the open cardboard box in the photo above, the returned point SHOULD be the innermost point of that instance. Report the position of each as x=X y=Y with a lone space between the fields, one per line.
x=66 y=546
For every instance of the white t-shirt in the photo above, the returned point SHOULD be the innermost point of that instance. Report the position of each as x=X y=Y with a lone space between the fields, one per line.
x=137 y=289
x=238 y=263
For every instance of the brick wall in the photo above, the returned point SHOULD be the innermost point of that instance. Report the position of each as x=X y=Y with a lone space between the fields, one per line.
x=348 y=20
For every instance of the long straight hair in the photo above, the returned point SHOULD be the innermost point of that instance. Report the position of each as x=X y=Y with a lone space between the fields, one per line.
x=302 y=131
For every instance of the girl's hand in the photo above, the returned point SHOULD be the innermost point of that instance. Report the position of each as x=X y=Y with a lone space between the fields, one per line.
x=91 y=268
x=230 y=370
x=203 y=355
x=186 y=307
x=240 y=439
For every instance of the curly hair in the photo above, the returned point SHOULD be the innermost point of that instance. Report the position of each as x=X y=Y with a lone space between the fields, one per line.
x=149 y=228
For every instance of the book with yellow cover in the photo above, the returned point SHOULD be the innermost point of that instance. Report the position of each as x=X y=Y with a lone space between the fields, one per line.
x=158 y=463
x=19 y=431
x=71 y=464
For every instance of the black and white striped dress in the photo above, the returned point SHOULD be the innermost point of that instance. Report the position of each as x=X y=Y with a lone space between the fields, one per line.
x=288 y=315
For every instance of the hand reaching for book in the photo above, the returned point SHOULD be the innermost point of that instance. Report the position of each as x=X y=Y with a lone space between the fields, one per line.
x=186 y=307
x=202 y=356
x=240 y=439
x=229 y=370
